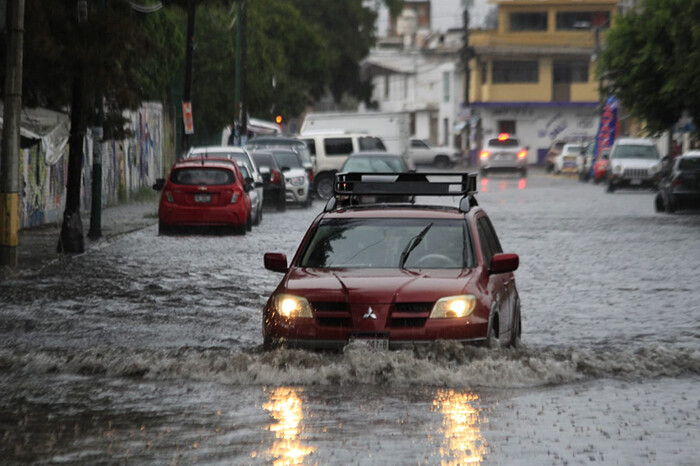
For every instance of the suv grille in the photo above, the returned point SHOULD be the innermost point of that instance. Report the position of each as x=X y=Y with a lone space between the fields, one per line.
x=636 y=173
x=410 y=314
x=332 y=314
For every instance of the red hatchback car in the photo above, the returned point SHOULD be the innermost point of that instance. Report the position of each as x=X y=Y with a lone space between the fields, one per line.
x=204 y=193
x=395 y=274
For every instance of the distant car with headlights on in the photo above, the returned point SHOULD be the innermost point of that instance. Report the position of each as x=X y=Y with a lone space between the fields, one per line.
x=634 y=163
x=680 y=187
x=393 y=275
x=204 y=194
x=503 y=153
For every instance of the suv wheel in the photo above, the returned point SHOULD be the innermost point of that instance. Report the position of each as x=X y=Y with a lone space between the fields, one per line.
x=324 y=185
x=442 y=161
x=610 y=187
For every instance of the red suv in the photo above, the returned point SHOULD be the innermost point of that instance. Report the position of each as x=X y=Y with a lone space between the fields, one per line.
x=391 y=275
x=204 y=193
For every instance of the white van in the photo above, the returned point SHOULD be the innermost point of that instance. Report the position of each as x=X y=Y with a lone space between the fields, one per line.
x=330 y=150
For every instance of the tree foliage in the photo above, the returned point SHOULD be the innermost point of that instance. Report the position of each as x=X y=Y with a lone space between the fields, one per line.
x=651 y=62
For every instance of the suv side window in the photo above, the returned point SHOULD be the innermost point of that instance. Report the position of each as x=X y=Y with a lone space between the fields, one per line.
x=418 y=144
x=338 y=146
x=311 y=144
x=488 y=239
x=371 y=143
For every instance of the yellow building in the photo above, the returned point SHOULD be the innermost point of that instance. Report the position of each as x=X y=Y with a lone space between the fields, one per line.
x=535 y=74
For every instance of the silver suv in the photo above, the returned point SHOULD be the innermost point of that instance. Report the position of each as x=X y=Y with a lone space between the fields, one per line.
x=634 y=163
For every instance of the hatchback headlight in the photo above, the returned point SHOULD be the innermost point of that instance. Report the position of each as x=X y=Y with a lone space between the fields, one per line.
x=453 y=306
x=288 y=305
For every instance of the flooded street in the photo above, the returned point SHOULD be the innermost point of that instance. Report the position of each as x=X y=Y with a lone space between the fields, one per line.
x=148 y=351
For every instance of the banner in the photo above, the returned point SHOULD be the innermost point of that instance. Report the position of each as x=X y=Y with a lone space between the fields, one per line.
x=187 y=117
x=608 y=129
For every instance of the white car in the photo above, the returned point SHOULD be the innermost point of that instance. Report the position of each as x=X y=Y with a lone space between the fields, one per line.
x=422 y=151
x=503 y=152
x=634 y=163
x=240 y=155
x=296 y=177
x=568 y=160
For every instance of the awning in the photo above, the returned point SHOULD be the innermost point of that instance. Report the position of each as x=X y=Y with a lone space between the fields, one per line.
x=50 y=127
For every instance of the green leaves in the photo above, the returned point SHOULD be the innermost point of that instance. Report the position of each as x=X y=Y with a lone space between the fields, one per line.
x=651 y=62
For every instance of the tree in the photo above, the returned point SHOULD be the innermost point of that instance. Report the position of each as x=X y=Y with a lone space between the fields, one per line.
x=651 y=62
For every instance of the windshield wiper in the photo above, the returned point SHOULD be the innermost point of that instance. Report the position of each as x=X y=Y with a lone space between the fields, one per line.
x=412 y=244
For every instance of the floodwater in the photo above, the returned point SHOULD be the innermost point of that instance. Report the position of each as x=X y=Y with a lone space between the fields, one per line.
x=148 y=351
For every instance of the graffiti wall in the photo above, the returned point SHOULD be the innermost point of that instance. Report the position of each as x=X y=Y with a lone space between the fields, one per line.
x=128 y=166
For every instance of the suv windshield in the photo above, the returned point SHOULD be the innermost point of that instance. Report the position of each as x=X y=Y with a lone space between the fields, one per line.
x=374 y=164
x=629 y=151
x=689 y=163
x=387 y=242
x=287 y=159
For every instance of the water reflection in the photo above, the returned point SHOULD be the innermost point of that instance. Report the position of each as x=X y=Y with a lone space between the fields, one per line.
x=463 y=442
x=502 y=184
x=286 y=407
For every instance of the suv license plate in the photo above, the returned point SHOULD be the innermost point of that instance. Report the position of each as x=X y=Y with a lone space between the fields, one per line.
x=635 y=182
x=202 y=198
x=376 y=344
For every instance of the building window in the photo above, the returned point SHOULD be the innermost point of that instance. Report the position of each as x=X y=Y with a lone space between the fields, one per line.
x=506 y=126
x=515 y=72
x=484 y=71
x=446 y=131
x=446 y=86
x=571 y=20
x=386 y=87
x=535 y=21
x=570 y=71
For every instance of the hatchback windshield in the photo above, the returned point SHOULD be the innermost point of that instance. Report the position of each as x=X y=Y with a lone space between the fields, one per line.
x=389 y=243
x=510 y=142
x=635 y=152
x=202 y=176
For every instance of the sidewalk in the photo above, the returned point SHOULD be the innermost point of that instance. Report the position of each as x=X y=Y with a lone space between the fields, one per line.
x=37 y=246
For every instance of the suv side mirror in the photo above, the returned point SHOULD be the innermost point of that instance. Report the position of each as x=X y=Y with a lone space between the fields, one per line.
x=276 y=261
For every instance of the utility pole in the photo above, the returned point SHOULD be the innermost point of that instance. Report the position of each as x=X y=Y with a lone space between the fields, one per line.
x=9 y=171
x=467 y=54
x=72 y=239
x=243 y=111
x=189 y=53
x=239 y=104
x=97 y=133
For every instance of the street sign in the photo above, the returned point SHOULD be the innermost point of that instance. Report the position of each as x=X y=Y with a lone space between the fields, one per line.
x=187 y=117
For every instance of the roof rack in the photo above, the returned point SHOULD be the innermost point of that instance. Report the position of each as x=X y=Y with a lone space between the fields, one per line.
x=349 y=187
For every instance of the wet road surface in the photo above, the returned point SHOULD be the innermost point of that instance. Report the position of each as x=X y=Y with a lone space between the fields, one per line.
x=148 y=350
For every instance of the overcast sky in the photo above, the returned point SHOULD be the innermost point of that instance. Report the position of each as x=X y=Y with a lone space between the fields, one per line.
x=446 y=14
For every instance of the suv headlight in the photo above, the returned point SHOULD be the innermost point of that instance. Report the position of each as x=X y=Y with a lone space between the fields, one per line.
x=617 y=169
x=453 y=306
x=297 y=181
x=288 y=305
x=654 y=169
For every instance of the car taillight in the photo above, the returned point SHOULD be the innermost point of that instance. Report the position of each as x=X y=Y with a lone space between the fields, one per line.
x=234 y=197
x=169 y=196
x=522 y=154
x=484 y=154
x=677 y=181
x=275 y=177
x=311 y=176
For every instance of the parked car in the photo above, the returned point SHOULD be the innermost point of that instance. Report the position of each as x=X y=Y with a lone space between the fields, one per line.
x=554 y=150
x=567 y=161
x=204 y=194
x=503 y=153
x=423 y=151
x=274 y=184
x=680 y=187
x=331 y=149
x=585 y=164
x=393 y=276
x=376 y=162
x=298 y=189
x=299 y=146
x=635 y=163
x=601 y=166
x=240 y=155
